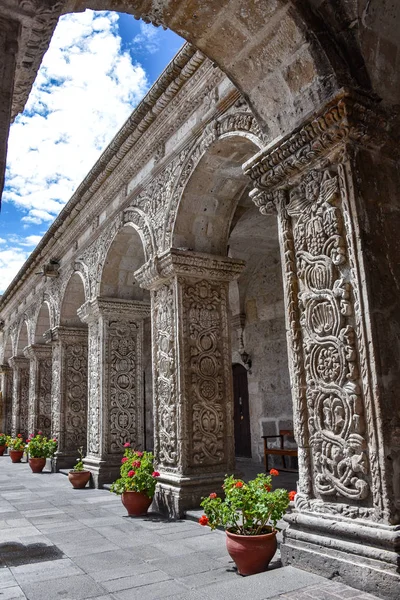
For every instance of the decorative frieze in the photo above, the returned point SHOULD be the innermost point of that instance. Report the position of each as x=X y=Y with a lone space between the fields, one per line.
x=40 y=375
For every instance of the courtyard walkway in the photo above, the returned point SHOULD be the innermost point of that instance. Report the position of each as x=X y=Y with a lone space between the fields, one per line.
x=60 y=543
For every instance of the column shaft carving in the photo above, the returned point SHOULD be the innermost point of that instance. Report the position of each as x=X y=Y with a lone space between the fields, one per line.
x=6 y=378
x=313 y=181
x=193 y=404
x=68 y=391
x=20 y=402
x=40 y=375
x=115 y=382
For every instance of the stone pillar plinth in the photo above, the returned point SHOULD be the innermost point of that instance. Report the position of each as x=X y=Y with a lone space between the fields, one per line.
x=40 y=368
x=334 y=185
x=115 y=383
x=6 y=378
x=20 y=395
x=68 y=392
x=192 y=379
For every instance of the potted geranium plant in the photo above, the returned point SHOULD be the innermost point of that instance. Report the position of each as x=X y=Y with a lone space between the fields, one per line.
x=39 y=448
x=249 y=514
x=137 y=482
x=16 y=447
x=3 y=439
x=79 y=476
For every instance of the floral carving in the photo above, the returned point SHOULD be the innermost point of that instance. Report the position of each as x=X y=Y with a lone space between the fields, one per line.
x=76 y=356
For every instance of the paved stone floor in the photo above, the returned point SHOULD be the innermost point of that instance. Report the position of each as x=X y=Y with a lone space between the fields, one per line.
x=60 y=543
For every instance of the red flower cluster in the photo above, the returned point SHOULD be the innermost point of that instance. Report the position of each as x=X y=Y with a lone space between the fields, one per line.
x=139 y=454
x=127 y=445
x=239 y=484
x=123 y=460
x=274 y=472
x=292 y=496
x=155 y=474
x=131 y=473
x=40 y=432
x=213 y=495
x=19 y=435
x=203 y=520
x=268 y=487
x=136 y=463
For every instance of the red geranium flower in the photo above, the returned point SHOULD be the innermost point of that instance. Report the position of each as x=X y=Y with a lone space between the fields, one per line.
x=127 y=445
x=40 y=433
x=27 y=441
x=239 y=484
x=54 y=439
x=136 y=463
x=123 y=460
x=203 y=520
x=268 y=487
x=19 y=435
x=131 y=473
x=274 y=472
x=155 y=474
x=213 y=495
x=139 y=454
x=292 y=496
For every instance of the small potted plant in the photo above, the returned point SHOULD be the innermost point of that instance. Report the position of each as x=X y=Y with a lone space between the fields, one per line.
x=3 y=439
x=39 y=448
x=138 y=480
x=78 y=476
x=16 y=447
x=249 y=514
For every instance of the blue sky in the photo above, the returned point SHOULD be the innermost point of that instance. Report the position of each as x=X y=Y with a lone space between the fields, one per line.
x=98 y=67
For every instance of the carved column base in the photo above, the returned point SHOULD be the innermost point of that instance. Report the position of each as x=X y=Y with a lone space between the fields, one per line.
x=364 y=555
x=175 y=495
x=103 y=471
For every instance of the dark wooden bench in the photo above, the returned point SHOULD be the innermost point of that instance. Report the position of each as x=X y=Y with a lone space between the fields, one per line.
x=281 y=451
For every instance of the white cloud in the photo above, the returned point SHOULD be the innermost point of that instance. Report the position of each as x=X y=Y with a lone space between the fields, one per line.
x=148 y=39
x=85 y=90
x=11 y=260
x=31 y=240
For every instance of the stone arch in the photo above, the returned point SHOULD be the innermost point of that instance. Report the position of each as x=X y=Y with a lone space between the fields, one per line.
x=125 y=256
x=42 y=322
x=23 y=336
x=137 y=218
x=7 y=347
x=73 y=298
x=210 y=187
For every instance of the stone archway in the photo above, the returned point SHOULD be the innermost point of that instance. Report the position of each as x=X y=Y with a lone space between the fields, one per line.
x=120 y=358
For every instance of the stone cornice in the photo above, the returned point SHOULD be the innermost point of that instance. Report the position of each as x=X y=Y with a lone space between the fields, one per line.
x=37 y=351
x=189 y=264
x=127 y=310
x=167 y=87
x=347 y=118
x=66 y=334
x=18 y=362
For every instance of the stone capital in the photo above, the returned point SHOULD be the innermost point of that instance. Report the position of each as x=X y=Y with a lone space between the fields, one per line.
x=18 y=362
x=193 y=265
x=67 y=334
x=125 y=310
x=37 y=351
x=347 y=119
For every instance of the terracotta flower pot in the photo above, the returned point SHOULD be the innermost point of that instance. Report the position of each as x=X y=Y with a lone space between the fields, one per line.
x=79 y=479
x=251 y=553
x=136 y=503
x=37 y=464
x=16 y=455
x=2 y=448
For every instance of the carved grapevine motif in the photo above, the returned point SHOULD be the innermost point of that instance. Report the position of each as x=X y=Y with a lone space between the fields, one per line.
x=334 y=400
x=44 y=405
x=164 y=365
x=205 y=378
x=76 y=356
x=24 y=401
x=122 y=359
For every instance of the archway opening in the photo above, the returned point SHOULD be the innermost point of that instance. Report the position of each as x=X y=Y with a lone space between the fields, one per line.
x=128 y=352
x=42 y=323
x=23 y=339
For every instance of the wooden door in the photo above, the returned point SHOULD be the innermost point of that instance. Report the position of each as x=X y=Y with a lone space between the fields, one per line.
x=241 y=412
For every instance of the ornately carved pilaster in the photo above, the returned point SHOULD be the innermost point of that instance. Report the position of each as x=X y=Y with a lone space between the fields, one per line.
x=6 y=380
x=20 y=367
x=193 y=405
x=310 y=181
x=68 y=391
x=115 y=386
x=40 y=369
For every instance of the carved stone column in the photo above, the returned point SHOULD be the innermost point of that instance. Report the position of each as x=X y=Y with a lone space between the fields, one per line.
x=68 y=392
x=20 y=396
x=6 y=379
x=192 y=379
x=334 y=185
x=115 y=382
x=40 y=368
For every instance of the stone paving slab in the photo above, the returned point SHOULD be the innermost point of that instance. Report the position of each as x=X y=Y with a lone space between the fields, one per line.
x=57 y=543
